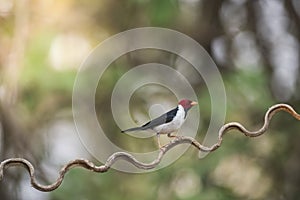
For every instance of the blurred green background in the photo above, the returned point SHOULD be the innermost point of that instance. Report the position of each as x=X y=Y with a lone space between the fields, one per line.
x=255 y=45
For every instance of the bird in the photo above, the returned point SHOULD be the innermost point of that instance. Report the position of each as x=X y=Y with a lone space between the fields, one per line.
x=168 y=122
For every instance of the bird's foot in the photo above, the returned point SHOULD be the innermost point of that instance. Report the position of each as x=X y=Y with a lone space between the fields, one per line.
x=172 y=136
x=169 y=135
x=160 y=146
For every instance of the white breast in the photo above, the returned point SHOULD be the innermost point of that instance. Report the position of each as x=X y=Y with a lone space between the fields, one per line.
x=173 y=125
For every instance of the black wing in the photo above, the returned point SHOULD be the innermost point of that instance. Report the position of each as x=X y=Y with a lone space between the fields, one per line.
x=165 y=118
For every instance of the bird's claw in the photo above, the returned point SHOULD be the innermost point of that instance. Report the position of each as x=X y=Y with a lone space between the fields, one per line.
x=172 y=136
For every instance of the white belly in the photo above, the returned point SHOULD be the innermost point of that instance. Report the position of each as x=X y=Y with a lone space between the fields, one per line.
x=173 y=125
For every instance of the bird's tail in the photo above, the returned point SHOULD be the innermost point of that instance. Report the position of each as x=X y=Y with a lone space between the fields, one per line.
x=133 y=129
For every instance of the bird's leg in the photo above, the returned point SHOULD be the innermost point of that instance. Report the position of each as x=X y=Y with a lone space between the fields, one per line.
x=172 y=136
x=158 y=140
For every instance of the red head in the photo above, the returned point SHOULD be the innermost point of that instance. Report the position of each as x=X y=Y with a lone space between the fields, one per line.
x=187 y=104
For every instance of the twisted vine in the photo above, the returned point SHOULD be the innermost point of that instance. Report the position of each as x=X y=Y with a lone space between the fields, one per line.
x=146 y=166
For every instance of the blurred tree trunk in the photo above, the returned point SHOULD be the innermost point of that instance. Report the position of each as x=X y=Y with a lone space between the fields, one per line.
x=14 y=141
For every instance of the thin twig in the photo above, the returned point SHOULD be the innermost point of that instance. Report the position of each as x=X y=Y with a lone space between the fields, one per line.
x=146 y=166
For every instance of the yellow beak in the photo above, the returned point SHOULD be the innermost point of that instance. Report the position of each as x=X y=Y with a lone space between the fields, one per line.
x=194 y=103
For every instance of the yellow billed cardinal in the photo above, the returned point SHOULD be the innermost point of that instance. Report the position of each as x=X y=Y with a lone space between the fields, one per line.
x=169 y=122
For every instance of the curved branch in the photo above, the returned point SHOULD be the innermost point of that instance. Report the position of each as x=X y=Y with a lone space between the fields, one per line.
x=146 y=166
